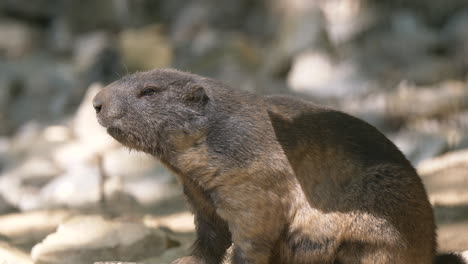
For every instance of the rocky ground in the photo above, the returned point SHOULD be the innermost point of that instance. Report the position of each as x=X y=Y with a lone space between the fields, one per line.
x=70 y=194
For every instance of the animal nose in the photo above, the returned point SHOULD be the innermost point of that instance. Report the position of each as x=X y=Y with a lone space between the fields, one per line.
x=97 y=104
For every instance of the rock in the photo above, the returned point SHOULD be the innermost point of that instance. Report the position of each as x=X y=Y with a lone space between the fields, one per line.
x=4 y=147
x=91 y=139
x=59 y=36
x=39 y=10
x=85 y=126
x=406 y=25
x=77 y=153
x=123 y=163
x=77 y=187
x=5 y=206
x=452 y=237
x=419 y=146
x=456 y=36
x=169 y=255
x=301 y=29
x=28 y=228
x=57 y=133
x=9 y=254
x=18 y=39
x=317 y=74
x=179 y=222
x=25 y=139
x=411 y=101
x=231 y=58
x=89 y=239
x=116 y=262
x=445 y=181
x=88 y=46
x=407 y=49
x=139 y=175
x=112 y=15
x=372 y=109
x=97 y=57
x=21 y=185
x=8 y=89
x=455 y=28
x=189 y=18
x=146 y=48
x=445 y=178
x=347 y=19
x=45 y=90
x=151 y=189
x=80 y=187
x=434 y=12
x=35 y=141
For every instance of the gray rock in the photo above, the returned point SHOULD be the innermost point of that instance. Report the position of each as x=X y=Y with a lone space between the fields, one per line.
x=24 y=139
x=124 y=163
x=5 y=206
x=317 y=74
x=89 y=239
x=112 y=14
x=59 y=36
x=419 y=146
x=300 y=30
x=4 y=147
x=116 y=262
x=78 y=187
x=371 y=108
x=145 y=48
x=18 y=39
x=231 y=58
x=139 y=175
x=169 y=255
x=26 y=229
x=21 y=185
x=10 y=254
x=426 y=101
x=345 y=20
x=41 y=9
x=90 y=138
x=85 y=126
x=456 y=36
x=88 y=46
x=97 y=58
x=407 y=50
x=407 y=25
x=43 y=89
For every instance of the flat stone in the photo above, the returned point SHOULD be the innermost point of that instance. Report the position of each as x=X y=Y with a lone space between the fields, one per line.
x=89 y=239
x=28 y=228
x=10 y=254
x=445 y=178
x=78 y=187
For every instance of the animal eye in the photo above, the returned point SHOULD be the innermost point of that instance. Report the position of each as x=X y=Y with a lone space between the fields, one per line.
x=148 y=91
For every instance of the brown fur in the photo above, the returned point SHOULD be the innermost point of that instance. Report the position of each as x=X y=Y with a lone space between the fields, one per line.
x=274 y=179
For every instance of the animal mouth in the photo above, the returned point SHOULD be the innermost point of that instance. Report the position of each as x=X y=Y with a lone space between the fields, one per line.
x=118 y=134
x=126 y=139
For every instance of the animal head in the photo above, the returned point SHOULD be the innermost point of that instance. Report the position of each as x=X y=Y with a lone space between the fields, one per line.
x=156 y=111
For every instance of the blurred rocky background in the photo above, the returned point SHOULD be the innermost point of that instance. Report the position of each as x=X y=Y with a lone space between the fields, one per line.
x=70 y=194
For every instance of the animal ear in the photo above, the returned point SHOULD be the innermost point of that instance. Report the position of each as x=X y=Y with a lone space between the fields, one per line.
x=195 y=93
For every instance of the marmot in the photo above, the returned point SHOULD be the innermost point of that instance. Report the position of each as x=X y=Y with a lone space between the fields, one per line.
x=273 y=179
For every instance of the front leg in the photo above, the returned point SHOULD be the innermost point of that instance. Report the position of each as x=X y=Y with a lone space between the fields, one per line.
x=213 y=239
x=255 y=231
x=257 y=251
